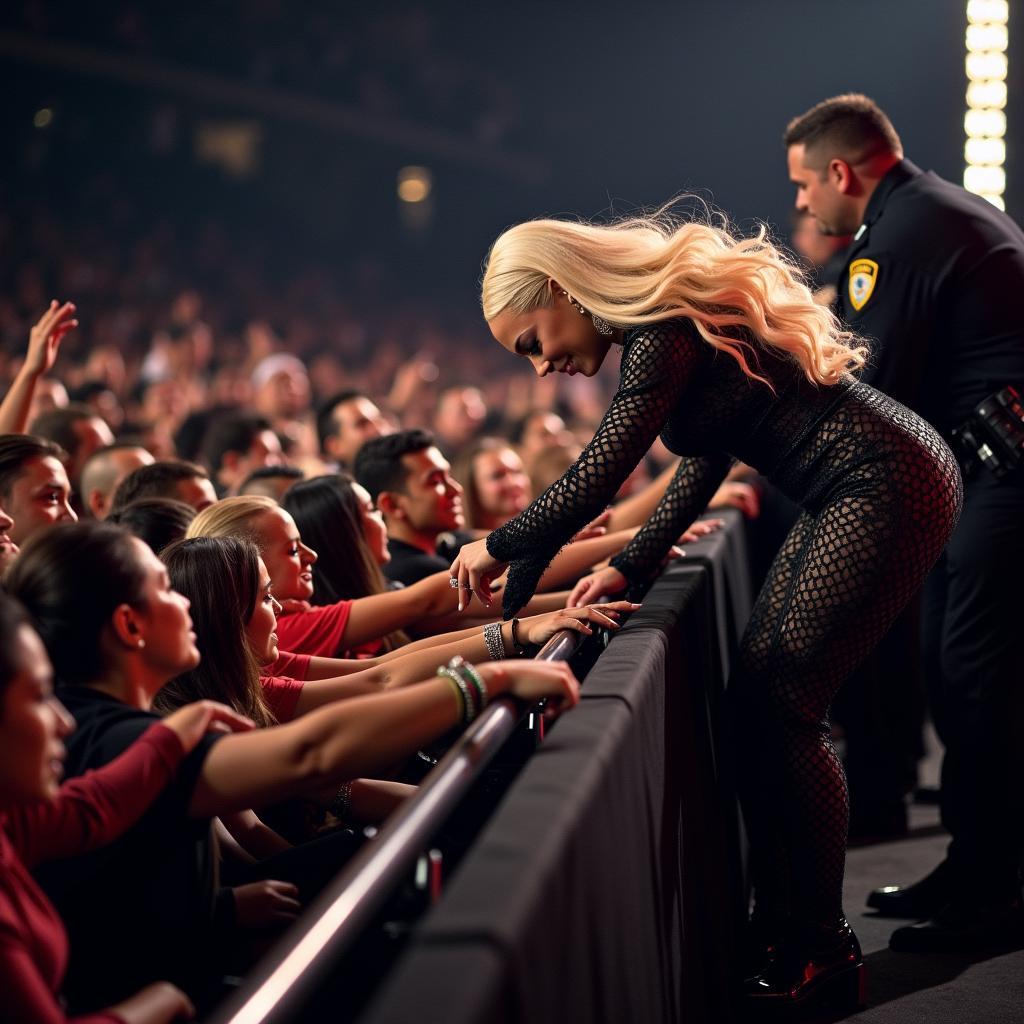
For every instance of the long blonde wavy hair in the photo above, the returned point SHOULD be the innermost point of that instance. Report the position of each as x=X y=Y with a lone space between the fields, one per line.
x=646 y=269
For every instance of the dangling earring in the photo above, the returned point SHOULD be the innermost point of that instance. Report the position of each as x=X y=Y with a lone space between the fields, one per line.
x=600 y=324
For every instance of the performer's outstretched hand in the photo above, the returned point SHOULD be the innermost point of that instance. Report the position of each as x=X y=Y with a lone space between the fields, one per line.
x=475 y=569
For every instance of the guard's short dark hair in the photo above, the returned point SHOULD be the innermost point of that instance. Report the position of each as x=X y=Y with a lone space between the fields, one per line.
x=378 y=464
x=16 y=450
x=326 y=424
x=232 y=432
x=58 y=425
x=158 y=480
x=850 y=126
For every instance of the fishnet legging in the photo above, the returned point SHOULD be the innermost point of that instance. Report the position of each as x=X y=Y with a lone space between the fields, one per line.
x=882 y=494
x=844 y=572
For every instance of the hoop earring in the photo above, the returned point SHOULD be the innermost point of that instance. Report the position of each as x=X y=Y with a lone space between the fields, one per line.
x=600 y=324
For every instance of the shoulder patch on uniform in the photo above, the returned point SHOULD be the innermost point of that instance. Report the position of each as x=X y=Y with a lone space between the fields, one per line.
x=863 y=276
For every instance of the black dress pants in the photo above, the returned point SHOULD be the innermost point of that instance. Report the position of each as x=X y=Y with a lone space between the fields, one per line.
x=973 y=642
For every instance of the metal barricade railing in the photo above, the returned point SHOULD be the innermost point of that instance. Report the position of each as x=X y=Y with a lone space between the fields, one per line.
x=334 y=920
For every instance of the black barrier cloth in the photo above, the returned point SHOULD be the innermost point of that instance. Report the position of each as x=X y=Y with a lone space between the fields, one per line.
x=606 y=886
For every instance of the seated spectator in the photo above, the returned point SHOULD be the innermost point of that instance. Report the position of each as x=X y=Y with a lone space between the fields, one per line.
x=345 y=422
x=117 y=633
x=495 y=487
x=282 y=395
x=170 y=478
x=270 y=481
x=103 y=472
x=42 y=820
x=34 y=486
x=157 y=521
x=98 y=396
x=340 y=523
x=410 y=481
x=236 y=444
x=539 y=430
x=79 y=431
x=460 y=416
x=49 y=394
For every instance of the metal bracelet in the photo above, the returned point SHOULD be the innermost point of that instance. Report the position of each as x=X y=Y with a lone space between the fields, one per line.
x=495 y=642
x=471 y=675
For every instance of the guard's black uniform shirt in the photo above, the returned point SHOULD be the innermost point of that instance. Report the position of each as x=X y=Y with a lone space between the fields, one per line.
x=945 y=312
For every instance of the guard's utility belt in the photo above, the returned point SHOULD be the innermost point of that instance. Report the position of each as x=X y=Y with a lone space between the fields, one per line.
x=993 y=435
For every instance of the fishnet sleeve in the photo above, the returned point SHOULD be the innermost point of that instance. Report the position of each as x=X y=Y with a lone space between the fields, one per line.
x=656 y=364
x=686 y=496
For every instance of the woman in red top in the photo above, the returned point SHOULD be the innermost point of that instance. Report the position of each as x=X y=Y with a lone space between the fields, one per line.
x=41 y=820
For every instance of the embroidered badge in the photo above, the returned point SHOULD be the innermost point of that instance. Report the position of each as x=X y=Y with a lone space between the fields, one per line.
x=863 y=275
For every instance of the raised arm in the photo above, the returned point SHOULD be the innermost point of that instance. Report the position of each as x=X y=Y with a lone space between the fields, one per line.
x=656 y=365
x=43 y=346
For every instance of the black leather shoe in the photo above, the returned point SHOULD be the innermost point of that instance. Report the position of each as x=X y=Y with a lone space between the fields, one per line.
x=961 y=927
x=818 y=970
x=917 y=901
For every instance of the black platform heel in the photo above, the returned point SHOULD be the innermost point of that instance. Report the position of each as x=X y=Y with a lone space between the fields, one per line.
x=818 y=969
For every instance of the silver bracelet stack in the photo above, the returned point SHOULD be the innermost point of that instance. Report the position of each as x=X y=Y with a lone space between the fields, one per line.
x=494 y=641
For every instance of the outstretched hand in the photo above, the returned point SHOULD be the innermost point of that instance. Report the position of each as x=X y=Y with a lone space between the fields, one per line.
x=538 y=629
x=596 y=585
x=475 y=569
x=45 y=337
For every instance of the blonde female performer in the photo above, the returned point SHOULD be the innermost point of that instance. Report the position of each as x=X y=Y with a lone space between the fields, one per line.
x=726 y=355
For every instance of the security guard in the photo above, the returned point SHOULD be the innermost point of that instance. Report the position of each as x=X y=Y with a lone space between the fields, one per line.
x=935 y=281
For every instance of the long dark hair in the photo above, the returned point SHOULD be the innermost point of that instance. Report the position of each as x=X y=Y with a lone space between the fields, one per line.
x=330 y=520
x=71 y=578
x=221 y=578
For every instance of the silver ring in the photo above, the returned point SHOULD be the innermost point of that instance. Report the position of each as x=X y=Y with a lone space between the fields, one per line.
x=453 y=582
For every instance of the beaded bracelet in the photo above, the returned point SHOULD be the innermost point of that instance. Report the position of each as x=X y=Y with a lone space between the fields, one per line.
x=472 y=676
x=494 y=641
x=469 y=708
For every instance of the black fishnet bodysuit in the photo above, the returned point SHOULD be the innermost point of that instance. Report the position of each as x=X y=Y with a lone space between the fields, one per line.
x=880 y=493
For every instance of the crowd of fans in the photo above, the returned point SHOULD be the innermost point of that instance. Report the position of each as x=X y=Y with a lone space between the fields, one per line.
x=195 y=534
